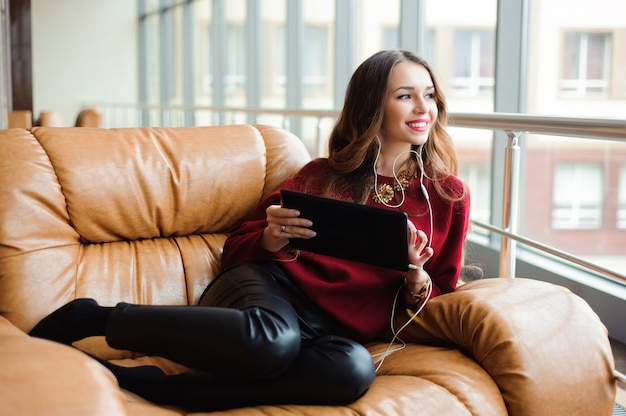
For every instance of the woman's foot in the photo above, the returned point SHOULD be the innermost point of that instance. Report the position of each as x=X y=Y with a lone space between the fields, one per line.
x=81 y=318
x=149 y=382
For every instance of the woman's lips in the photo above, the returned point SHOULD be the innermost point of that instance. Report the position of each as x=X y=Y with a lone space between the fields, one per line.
x=418 y=125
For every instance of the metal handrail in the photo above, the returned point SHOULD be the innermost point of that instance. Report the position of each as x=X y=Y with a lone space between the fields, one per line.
x=219 y=109
x=510 y=197
x=589 y=128
x=551 y=250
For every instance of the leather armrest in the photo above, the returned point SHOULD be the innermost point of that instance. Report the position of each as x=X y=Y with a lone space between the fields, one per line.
x=545 y=348
x=41 y=377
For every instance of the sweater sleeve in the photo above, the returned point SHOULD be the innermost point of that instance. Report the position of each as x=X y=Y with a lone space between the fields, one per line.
x=242 y=245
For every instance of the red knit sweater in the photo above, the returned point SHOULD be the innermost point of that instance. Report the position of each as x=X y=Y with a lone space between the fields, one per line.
x=360 y=296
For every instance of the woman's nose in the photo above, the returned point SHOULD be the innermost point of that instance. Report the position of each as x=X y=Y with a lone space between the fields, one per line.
x=420 y=106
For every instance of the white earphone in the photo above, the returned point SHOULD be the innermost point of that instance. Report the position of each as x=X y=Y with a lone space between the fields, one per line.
x=396 y=334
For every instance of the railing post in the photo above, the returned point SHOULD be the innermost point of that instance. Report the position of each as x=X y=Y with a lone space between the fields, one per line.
x=510 y=204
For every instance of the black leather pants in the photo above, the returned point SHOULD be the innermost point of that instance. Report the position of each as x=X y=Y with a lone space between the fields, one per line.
x=252 y=341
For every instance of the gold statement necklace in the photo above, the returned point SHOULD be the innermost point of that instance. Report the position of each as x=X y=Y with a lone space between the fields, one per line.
x=384 y=193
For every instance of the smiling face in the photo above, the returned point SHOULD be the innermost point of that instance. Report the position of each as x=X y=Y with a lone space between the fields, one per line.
x=410 y=109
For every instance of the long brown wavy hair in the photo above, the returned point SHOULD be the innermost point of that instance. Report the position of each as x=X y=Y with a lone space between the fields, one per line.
x=353 y=145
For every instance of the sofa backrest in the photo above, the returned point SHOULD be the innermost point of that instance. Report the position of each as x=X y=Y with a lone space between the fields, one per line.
x=136 y=215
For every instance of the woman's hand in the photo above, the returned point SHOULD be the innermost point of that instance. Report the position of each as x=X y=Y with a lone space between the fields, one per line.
x=419 y=254
x=283 y=224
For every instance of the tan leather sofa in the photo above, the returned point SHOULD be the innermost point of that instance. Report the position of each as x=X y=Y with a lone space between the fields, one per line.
x=140 y=215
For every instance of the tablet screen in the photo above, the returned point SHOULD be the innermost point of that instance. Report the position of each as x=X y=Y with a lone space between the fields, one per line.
x=351 y=231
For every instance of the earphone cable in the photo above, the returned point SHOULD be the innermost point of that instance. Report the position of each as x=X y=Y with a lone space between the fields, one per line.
x=396 y=334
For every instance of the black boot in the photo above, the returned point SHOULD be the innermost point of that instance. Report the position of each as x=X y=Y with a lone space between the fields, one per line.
x=81 y=318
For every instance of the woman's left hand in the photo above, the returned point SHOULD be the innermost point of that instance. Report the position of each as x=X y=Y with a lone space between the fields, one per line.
x=419 y=254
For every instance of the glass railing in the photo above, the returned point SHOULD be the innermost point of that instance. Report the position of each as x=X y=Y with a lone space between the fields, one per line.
x=609 y=135
x=517 y=125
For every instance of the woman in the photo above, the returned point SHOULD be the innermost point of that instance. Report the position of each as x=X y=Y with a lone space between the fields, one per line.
x=281 y=326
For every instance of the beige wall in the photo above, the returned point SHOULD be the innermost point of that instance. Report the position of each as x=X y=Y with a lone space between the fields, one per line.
x=83 y=51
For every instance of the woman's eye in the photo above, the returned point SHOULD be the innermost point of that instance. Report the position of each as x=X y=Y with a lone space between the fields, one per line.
x=404 y=96
x=430 y=95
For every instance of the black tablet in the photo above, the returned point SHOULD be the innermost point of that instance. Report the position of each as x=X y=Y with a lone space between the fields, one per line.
x=351 y=231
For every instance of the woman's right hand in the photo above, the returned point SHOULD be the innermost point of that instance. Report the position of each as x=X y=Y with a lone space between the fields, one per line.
x=283 y=224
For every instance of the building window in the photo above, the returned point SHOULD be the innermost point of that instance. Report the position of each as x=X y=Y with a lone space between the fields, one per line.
x=474 y=62
x=621 y=199
x=585 y=64
x=577 y=196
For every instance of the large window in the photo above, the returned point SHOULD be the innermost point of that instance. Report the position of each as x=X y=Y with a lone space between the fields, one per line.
x=574 y=67
x=279 y=54
x=586 y=63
